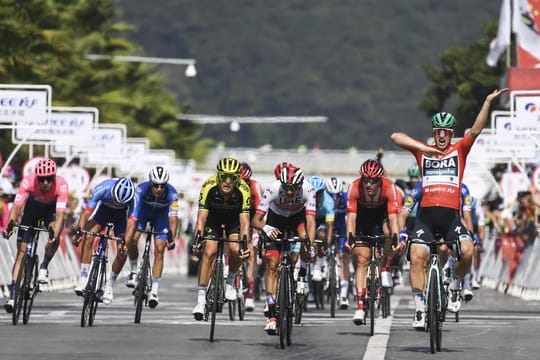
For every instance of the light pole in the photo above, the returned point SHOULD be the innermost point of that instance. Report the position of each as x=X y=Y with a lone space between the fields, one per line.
x=235 y=121
x=191 y=71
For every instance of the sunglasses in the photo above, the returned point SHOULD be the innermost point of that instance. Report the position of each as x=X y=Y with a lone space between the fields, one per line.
x=158 y=186
x=48 y=179
x=224 y=177
x=291 y=187
x=441 y=132
x=371 y=181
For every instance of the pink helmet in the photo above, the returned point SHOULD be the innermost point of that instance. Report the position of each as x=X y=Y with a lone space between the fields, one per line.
x=45 y=167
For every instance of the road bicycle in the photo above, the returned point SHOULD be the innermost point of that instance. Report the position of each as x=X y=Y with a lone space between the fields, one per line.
x=144 y=277
x=26 y=284
x=436 y=297
x=378 y=296
x=93 y=291
x=240 y=287
x=215 y=291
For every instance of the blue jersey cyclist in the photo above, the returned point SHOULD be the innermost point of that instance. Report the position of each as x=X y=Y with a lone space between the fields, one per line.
x=110 y=201
x=156 y=201
x=337 y=190
x=324 y=220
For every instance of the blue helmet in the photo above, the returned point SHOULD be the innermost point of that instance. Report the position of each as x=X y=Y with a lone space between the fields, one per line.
x=317 y=182
x=123 y=191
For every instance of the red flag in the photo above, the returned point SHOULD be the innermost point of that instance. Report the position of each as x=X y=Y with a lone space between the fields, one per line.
x=526 y=23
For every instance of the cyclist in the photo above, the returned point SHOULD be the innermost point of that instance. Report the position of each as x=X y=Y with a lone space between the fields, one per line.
x=256 y=193
x=287 y=204
x=279 y=167
x=335 y=187
x=41 y=195
x=224 y=200
x=324 y=223
x=110 y=201
x=373 y=201
x=442 y=167
x=156 y=201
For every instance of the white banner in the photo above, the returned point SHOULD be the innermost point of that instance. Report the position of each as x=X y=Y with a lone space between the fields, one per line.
x=107 y=145
x=525 y=108
x=25 y=106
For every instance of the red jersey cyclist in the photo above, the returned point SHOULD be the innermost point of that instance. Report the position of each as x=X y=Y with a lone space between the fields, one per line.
x=441 y=171
x=373 y=200
x=41 y=195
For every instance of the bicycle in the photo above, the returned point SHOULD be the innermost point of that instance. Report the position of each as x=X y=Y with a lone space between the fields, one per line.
x=144 y=277
x=93 y=291
x=26 y=284
x=240 y=285
x=318 y=286
x=436 y=297
x=332 y=276
x=215 y=291
x=376 y=292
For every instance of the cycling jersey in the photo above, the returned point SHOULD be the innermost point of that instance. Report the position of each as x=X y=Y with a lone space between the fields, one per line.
x=411 y=201
x=325 y=209
x=274 y=198
x=155 y=209
x=30 y=189
x=442 y=175
x=256 y=193
x=340 y=222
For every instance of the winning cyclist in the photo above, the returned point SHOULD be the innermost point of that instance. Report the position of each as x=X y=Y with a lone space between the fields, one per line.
x=373 y=201
x=442 y=167
x=41 y=195
x=156 y=201
x=334 y=187
x=224 y=200
x=287 y=204
x=256 y=193
x=110 y=201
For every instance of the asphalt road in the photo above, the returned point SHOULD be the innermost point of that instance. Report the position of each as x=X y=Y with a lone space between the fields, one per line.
x=491 y=326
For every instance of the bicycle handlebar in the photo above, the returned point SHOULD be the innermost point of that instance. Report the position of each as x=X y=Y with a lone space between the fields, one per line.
x=100 y=234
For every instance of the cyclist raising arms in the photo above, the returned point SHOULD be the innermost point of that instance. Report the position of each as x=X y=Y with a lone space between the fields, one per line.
x=373 y=201
x=256 y=193
x=156 y=201
x=224 y=200
x=110 y=201
x=41 y=195
x=441 y=167
x=290 y=204
x=334 y=187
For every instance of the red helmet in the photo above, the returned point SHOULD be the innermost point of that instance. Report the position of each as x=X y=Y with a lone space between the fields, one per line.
x=371 y=169
x=279 y=167
x=45 y=167
x=245 y=171
x=291 y=175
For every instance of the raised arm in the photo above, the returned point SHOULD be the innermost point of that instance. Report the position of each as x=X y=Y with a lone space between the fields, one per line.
x=482 y=117
x=408 y=143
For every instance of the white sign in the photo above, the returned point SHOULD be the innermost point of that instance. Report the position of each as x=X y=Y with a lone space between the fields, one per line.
x=525 y=108
x=25 y=106
x=107 y=145
x=68 y=125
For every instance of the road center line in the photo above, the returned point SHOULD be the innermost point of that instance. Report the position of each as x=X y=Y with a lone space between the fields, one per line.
x=376 y=347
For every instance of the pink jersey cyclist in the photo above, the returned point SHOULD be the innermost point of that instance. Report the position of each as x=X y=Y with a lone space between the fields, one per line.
x=30 y=189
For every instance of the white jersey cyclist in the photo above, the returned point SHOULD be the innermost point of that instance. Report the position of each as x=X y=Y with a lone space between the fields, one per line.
x=274 y=198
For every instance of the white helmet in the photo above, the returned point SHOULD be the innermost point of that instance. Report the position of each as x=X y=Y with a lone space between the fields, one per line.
x=158 y=175
x=334 y=185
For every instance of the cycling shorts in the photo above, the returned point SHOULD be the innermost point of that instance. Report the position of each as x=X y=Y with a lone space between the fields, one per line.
x=103 y=214
x=32 y=213
x=158 y=217
x=296 y=222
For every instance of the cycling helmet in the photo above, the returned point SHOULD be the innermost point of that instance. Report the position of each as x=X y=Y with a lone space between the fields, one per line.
x=443 y=120
x=123 y=191
x=413 y=171
x=245 y=171
x=45 y=167
x=317 y=182
x=279 y=167
x=291 y=176
x=158 y=175
x=334 y=185
x=228 y=165
x=371 y=169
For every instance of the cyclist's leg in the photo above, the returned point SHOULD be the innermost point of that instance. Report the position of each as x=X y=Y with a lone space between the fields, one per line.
x=51 y=246
x=386 y=266
x=361 y=255
x=343 y=273
x=251 y=270
x=133 y=234
x=161 y=225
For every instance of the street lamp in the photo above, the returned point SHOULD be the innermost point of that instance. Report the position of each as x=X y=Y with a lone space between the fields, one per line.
x=191 y=71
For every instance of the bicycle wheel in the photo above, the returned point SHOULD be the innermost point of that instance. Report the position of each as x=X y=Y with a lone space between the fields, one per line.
x=217 y=296
x=232 y=310
x=372 y=296
x=98 y=289
x=385 y=302
x=140 y=290
x=283 y=307
x=332 y=286
x=290 y=313
x=299 y=308
x=31 y=288
x=20 y=289
x=87 y=309
x=241 y=285
x=433 y=316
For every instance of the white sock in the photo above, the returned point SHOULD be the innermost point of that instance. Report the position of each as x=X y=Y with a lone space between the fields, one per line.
x=112 y=278
x=201 y=295
x=155 y=285
x=419 y=301
x=133 y=265
x=344 y=288
x=230 y=278
x=84 y=270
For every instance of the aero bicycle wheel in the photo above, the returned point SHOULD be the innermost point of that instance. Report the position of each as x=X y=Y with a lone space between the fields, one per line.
x=385 y=302
x=89 y=295
x=217 y=294
x=20 y=289
x=283 y=306
x=98 y=289
x=140 y=289
x=291 y=293
x=433 y=318
x=31 y=288
x=372 y=293
x=332 y=286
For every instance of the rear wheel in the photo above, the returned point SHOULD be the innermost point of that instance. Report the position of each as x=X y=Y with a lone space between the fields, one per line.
x=31 y=288
x=332 y=285
x=20 y=289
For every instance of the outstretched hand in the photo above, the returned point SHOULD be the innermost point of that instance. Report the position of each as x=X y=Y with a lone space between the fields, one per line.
x=495 y=93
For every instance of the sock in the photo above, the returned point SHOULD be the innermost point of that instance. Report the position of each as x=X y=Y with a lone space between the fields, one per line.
x=12 y=290
x=112 y=278
x=360 y=296
x=133 y=265
x=230 y=278
x=344 y=288
x=201 y=295
x=155 y=285
x=250 y=288
x=45 y=263
x=84 y=270
x=419 y=301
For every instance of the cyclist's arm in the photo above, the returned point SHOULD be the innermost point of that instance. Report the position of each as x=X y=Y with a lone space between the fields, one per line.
x=310 y=227
x=83 y=220
x=329 y=231
x=483 y=114
x=202 y=215
x=258 y=221
x=244 y=225
x=467 y=221
x=15 y=213
x=406 y=142
x=58 y=224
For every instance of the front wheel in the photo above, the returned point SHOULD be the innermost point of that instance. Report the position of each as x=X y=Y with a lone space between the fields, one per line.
x=283 y=306
x=20 y=289
x=433 y=316
x=31 y=288
x=140 y=291
x=372 y=297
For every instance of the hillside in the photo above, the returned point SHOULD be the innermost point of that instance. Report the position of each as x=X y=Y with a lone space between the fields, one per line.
x=357 y=62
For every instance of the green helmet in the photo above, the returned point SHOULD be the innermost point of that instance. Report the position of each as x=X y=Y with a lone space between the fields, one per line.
x=413 y=171
x=443 y=120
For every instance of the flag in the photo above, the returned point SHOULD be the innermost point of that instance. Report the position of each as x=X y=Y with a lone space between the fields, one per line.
x=500 y=43
x=526 y=23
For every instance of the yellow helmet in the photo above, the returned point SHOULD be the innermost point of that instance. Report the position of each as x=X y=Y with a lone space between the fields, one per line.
x=228 y=165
